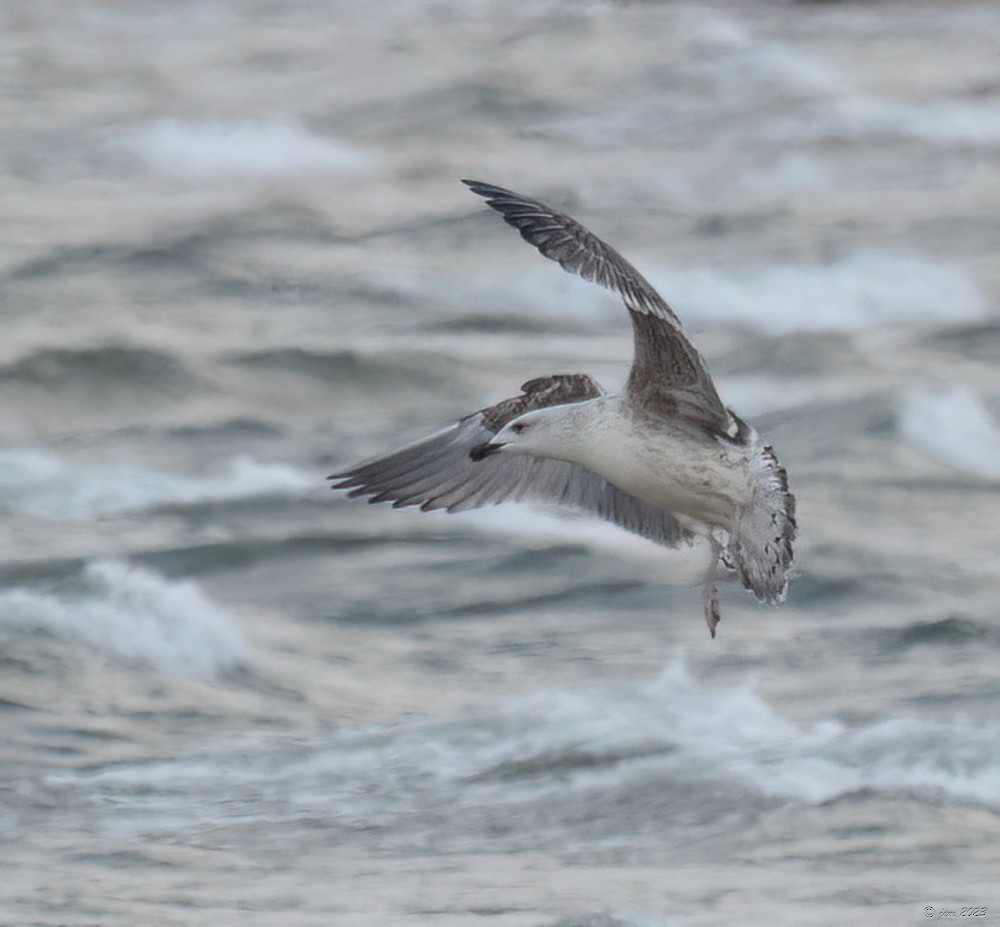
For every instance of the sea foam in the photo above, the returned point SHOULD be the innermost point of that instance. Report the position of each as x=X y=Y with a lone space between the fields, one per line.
x=134 y=616
x=938 y=123
x=674 y=728
x=858 y=291
x=862 y=290
x=211 y=149
x=954 y=427
x=37 y=482
x=543 y=757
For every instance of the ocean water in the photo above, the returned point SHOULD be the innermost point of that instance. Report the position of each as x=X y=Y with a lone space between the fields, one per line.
x=236 y=256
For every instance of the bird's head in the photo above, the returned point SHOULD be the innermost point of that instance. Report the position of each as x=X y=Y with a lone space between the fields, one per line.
x=550 y=432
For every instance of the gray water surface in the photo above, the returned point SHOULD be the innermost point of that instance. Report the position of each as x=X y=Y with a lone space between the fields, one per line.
x=236 y=256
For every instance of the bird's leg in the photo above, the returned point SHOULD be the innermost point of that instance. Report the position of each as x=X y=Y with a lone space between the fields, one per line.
x=710 y=595
x=711 y=598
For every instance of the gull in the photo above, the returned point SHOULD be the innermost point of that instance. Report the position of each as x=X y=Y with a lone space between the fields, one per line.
x=664 y=458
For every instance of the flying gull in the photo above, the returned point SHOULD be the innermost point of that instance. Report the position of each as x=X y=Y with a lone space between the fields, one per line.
x=664 y=459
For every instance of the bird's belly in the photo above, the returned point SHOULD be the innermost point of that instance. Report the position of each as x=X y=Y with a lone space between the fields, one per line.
x=697 y=484
x=694 y=494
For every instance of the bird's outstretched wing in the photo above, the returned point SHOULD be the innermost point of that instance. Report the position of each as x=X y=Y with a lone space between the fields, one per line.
x=438 y=473
x=668 y=376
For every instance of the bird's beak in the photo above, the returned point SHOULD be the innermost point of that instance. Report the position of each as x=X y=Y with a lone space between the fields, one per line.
x=482 y=451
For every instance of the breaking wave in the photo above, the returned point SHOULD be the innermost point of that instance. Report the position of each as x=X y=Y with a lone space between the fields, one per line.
x=37 y=482
x=134 y=616
x=214 y=148
x=538 y=761
x=953 y=427
x=860 y=291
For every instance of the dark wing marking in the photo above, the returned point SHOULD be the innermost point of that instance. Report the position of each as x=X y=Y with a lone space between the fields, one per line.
x=577 y=250
x=438 y=473
x=539 y=393
x=760 y=546
x=668 y=376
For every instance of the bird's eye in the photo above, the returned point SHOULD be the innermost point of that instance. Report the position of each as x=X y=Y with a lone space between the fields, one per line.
x=518 y=428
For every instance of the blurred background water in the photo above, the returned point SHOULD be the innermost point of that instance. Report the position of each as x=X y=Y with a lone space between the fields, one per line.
x=235 y=255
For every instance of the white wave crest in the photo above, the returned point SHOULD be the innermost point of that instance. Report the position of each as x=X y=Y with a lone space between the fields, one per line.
x=36 y=482
x=954 y=427
x=555 y=750
x=861 y=290
x=210 y=149
x=865 y=289
x=678 y=729
x=938 y=123
x=135 y=616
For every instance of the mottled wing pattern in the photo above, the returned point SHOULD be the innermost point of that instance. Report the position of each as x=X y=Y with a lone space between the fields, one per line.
x=760 y=546
x=668 y=375
x=575 y=249
x=438 y=473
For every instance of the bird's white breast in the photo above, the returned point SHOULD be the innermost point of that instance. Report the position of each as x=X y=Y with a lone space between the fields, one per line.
x=698 y=477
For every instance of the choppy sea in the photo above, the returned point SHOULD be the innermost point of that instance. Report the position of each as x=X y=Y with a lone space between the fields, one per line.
x=235 y=256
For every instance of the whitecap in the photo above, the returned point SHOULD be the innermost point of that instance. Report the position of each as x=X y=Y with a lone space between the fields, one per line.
x=37 y=482
x=865 y=289
x=135 y=616
x=861 y=290
x=936 y=123
x=954 y=427
x=674 y=728
x=215 y=148
x=555 y=750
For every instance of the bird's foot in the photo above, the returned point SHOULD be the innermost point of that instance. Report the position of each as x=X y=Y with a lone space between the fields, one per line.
x=711 y=599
